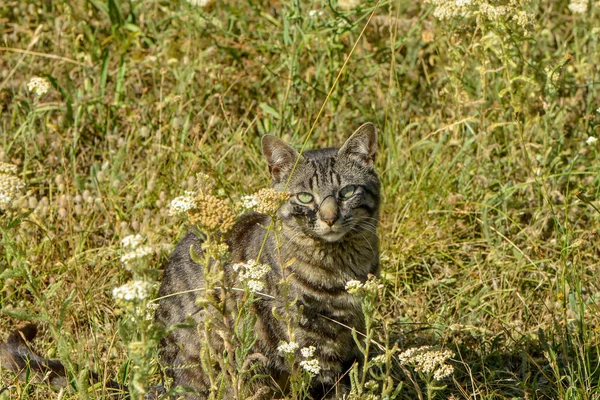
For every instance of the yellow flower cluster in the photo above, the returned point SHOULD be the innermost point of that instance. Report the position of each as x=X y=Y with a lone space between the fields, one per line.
x=269 y=200
x=211 y=213
x=10 y=185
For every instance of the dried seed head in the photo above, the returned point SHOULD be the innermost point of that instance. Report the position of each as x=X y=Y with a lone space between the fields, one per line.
x=269 y=200
x=211 y=213
x=204 y=182
x=10 y=186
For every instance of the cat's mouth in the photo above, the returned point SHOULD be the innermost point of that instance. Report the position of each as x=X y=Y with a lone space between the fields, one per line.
x=332 y=236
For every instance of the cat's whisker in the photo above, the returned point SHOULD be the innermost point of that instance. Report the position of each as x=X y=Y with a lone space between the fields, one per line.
x=290 y=242
x=367 y=227
x=353 y=229
x=372 y=218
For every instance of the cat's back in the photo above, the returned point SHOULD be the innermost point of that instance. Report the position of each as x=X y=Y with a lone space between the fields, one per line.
x=247 y=236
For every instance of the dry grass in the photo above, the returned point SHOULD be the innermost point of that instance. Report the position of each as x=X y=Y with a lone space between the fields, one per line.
x=490 y=225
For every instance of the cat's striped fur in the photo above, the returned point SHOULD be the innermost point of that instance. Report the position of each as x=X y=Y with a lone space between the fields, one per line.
x=327 y=242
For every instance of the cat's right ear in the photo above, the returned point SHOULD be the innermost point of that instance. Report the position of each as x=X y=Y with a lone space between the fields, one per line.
x=280 y=156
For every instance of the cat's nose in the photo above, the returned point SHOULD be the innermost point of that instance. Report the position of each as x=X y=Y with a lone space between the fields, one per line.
x=328 y=211
x=329 y=221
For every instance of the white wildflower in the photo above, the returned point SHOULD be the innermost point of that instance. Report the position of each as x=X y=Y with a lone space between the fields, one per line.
x=429 y=361
x=135 y=254
x=493 y=13
x=591 y=140
x=200 y=3
x=38 y=85
x=250 y=202
x=372 y=386
x=445 y=10
x=220 y=249
x=251 y=274
x=578 y=6
x=150 y=311
x=342 y=23
x=371 y=286
x=489 y=10
x=311 y=366
x=315 y=13
x=287 y=348
x=135 y=290
x=10 y=169
x=184 y=203
x=147 y=314
x=348 y=4
x=523 y=19
x=379 y=360
x=5 y=201
x=308 y=352
x=443 y=371
x=132 y=241
x=354 y=286
x=255 y=286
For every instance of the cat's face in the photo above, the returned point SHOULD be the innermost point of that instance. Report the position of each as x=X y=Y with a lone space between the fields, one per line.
x=334 y=192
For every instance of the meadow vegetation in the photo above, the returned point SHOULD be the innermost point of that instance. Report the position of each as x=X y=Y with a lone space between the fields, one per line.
x=488 y=113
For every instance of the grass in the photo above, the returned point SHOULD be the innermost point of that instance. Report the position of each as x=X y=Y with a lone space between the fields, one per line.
x=489 y=230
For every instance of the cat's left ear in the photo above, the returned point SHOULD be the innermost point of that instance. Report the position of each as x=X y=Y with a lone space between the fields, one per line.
x=361 y=146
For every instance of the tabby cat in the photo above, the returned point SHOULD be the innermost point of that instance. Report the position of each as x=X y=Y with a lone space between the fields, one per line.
x=328 y=237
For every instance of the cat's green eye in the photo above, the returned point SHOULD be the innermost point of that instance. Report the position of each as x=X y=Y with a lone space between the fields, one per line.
x=347 y=191
x=304 y=197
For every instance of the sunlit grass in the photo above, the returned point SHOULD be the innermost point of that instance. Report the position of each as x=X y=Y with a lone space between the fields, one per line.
x=489 y=232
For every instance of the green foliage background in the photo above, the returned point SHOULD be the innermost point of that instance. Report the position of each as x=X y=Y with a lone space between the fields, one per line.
x=490 y=241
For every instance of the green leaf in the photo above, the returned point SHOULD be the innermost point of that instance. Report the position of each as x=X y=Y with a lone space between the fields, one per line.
x=269 y=110
x=114 y=13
